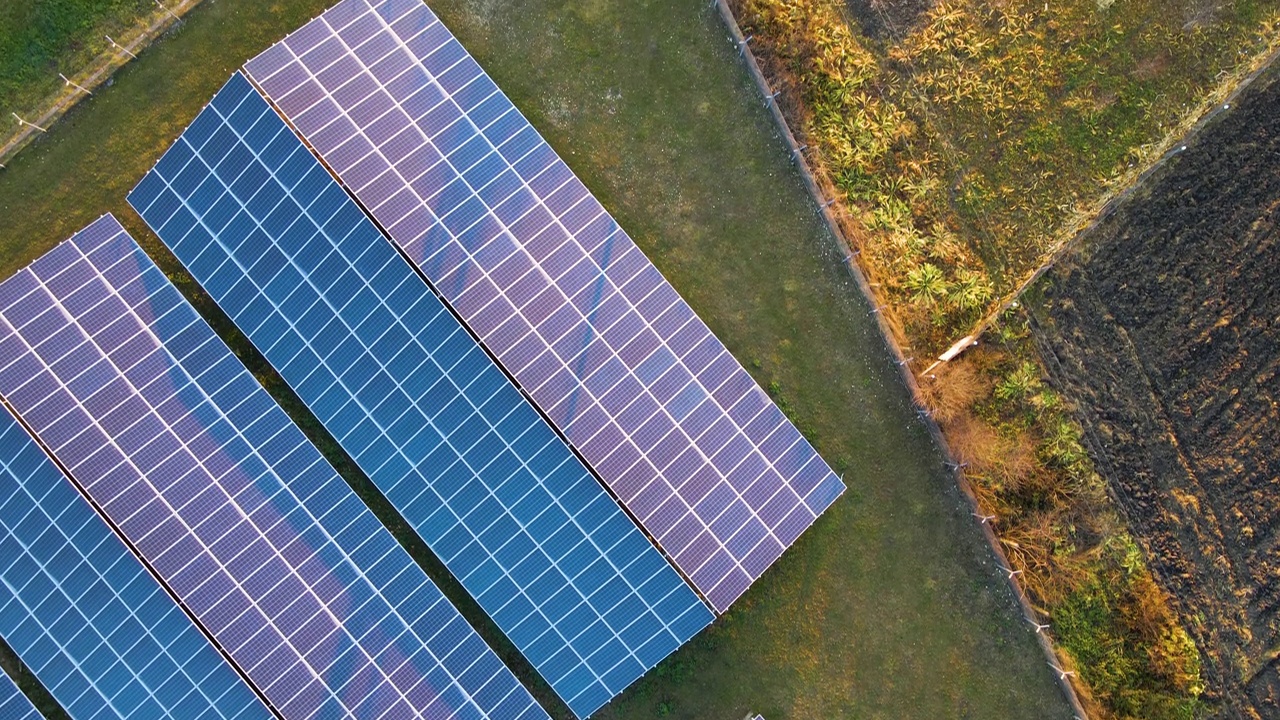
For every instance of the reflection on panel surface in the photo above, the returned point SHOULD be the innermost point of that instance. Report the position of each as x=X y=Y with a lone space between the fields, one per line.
x=554 y=288
x=85 y=616
x=222 y=494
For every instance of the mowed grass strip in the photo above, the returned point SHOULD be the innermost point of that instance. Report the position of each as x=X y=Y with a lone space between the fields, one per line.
x=891 y=605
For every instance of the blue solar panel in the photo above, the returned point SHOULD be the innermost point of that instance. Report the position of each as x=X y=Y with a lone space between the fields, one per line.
x=556 y=290
x=239 y=514
x=410 y=395
x=13 y=704
x=80 y=610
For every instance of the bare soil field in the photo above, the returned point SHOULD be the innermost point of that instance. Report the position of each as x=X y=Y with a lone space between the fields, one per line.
x=1164 y=331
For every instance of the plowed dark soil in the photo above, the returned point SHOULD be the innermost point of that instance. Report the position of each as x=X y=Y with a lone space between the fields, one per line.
x=1165 y=332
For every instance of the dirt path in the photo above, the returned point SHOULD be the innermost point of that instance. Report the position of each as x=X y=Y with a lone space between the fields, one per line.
x=1078 y=228
x=1165 y=331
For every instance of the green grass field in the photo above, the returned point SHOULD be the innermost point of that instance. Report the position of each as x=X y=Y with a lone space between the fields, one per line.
x=891 y=606
x=39 y=39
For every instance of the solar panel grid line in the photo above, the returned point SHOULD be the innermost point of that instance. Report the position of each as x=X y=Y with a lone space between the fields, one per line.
x=266 y=69
x=671 y=592
x=219 y=538
x=18 y=603
x=173 y=510
x=406 y=645
x=524 y=393
x=532 y=270
x=422 y=144
x=535 y=269
x=30 y=609
x=584 y=200
x=72 y=564
x=588 y=539
x=408 y=275
x=520 y=388
x=14 y=705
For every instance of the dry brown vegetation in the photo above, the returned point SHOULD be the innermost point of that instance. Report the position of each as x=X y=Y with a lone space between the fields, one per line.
x=968 y=145
x=1055 y=522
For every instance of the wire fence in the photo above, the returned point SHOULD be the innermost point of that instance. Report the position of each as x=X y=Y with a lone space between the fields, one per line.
x=827 y=206
x=81 y=85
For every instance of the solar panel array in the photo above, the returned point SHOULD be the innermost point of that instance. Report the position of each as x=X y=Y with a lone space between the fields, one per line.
x=85 y=616
x=221 y=493
x=415 y=401
x=554 y=288
x=13 y=704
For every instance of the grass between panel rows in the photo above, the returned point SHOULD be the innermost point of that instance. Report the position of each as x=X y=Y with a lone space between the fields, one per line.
x=970 y=140
x=890 y=606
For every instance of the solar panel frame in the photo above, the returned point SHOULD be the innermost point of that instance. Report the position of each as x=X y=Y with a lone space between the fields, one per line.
x=14 y=705
x=541 y=272
x=88 y=619
x=465 y=458
x=189 y=456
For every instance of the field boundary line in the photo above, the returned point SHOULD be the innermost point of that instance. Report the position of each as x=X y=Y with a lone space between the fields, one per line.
x=906 y=375
x=105 y=65
x=1076 y=228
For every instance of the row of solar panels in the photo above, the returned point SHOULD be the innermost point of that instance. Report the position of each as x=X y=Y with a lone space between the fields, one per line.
x=476 y=333
x=239 y=576
x=424 y=412
x=557 y=292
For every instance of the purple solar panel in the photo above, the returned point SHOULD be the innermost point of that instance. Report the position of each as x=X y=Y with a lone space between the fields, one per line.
x=224 y=496
x=556 y=290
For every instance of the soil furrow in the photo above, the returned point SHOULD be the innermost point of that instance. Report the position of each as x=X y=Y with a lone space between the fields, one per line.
x=1165 y=329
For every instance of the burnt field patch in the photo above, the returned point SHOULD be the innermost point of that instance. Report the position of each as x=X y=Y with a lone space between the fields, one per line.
x=1164 y=331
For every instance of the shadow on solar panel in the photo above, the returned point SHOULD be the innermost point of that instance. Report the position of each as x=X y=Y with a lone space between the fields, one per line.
x=557 y=292
x=507 y=351
x=308 y=595
x=76 y=605
x=408 y=393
